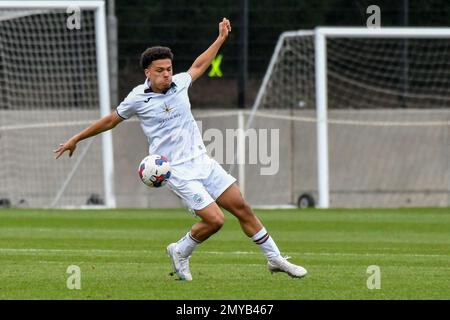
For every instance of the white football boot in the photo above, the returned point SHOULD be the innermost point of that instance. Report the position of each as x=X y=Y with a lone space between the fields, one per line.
x=179 y=263
x=280 y=264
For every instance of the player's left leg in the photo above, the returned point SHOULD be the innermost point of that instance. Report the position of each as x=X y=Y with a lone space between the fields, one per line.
x=231 y=200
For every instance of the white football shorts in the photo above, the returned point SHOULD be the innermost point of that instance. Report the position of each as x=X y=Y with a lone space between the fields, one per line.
x=199 y=182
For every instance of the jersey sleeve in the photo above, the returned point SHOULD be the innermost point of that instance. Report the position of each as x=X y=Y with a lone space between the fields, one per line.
x=127 y=108
x=183 y=79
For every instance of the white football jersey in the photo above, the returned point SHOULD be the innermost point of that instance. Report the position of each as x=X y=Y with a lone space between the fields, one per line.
x=166 y=119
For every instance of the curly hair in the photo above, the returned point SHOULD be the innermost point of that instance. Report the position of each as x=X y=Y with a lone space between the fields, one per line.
x=155 y=53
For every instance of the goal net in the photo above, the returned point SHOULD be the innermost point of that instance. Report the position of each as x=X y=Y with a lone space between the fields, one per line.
x=49 y=80
x=384 y=100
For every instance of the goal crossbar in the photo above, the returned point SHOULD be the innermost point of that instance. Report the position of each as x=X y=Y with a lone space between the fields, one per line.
x=401 y=32
x=51 y=4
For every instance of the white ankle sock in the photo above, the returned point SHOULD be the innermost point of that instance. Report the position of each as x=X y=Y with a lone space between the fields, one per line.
x=187 y=244
x=266 y=243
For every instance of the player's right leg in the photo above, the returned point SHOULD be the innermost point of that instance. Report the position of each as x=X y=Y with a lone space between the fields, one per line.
x=198 y=200
x=180 y=252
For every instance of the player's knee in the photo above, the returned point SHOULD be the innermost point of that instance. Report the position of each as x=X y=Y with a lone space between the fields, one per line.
x=216 y=222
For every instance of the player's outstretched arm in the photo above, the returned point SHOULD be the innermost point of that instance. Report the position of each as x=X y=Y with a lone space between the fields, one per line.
x=204 y=60
x=106 y=123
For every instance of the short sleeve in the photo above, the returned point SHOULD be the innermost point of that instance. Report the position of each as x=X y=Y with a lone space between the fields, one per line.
x=127 y=108
x=183 y=79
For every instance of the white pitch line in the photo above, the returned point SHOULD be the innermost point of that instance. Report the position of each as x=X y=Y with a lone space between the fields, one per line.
x=139 y=263
x=340 y=254
x=33 y=250
x=110 y=251
x=87 y=262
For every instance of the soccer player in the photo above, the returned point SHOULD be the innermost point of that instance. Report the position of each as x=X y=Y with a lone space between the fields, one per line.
x=163 y=108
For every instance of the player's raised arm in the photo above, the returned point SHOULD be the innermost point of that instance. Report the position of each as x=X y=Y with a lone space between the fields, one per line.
x=204 y=60
x=106 y=123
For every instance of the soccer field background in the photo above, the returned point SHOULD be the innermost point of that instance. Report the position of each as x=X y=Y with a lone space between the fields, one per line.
x=121 y=255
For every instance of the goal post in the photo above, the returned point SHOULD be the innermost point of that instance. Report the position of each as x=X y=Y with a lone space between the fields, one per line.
x=89 y=68
x=322 y=126
x=357 y=85
x=321 y=36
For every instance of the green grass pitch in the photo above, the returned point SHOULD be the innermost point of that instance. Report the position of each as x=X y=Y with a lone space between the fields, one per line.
x=121 y=255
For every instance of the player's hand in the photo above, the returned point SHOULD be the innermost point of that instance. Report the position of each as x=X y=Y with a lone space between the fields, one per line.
x=70 y=145
x=224 y=28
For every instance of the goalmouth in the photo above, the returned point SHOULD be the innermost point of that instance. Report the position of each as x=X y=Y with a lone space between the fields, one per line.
x=378 y=74
x=81 y=72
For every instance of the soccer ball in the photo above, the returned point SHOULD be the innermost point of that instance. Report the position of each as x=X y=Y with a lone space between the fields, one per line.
x=154 y=170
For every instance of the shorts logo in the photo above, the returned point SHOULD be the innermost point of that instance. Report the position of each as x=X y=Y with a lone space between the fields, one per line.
x=197 y=198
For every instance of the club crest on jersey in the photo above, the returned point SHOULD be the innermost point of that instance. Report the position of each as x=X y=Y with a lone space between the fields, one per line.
x=167 y=114
x=167 y=108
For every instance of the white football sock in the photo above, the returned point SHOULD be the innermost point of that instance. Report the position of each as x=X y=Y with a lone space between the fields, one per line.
x=266 y=243
x=187 y=244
